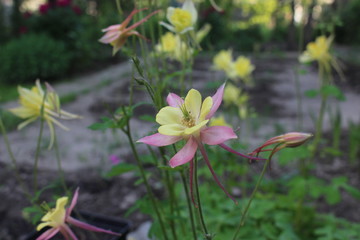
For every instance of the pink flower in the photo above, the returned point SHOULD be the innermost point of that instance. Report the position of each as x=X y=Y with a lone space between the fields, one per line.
x=116 y=35
x=63 y=3
x=59 y=217
x=77 y=10
x=114 y=159
x=186 y=119
x=44 y=8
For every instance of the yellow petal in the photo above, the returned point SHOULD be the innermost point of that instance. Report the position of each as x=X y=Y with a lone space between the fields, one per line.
x=195 y=129
x=169 y=115
x=172 y=129
x=205 y=108
x=193 y=103
x=42 y=225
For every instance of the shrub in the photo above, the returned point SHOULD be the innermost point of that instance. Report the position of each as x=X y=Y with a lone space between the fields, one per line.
x=33 y=56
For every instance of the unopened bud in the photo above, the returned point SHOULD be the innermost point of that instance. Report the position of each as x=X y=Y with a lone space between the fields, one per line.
x=295 y=139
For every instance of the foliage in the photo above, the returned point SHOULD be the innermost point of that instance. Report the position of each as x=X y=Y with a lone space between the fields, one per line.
x=33 y=56
x=349 y=31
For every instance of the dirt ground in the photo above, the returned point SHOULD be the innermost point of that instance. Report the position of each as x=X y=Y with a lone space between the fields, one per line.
x=85 y=153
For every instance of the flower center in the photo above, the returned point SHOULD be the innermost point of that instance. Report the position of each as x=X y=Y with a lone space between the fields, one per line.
x=181 y=19
x=187 y=120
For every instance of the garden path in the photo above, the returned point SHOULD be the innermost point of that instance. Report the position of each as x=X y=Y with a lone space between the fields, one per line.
x=85 y=153
x=107 y=89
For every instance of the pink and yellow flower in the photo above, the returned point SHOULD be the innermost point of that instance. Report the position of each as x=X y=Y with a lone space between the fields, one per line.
x=187 y=119
x=59 y=217
x=116 y=35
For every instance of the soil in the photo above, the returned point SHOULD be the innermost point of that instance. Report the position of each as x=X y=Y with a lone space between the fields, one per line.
x=85 y=153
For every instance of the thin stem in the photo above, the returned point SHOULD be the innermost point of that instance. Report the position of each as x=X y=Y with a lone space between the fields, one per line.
x=227 y=148
x=188 y=201
x=58 y=160
x=169 y=183
x=38 y=145
x=243 y=217
x=142 y=172
x=319 y=123
x=202 y=221
x=13 y=159
x=118 y=6
x=299 y=99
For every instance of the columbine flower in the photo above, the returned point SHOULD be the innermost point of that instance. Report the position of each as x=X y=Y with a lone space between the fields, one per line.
x=182 y=19
x=186 y=119
x=224 y=61
x=243 y=68
x=318 y=51
x=231 y=94
x=291 y=139
x=173 y=47
x=116 y=35
x=32 y=101
x=59 y=217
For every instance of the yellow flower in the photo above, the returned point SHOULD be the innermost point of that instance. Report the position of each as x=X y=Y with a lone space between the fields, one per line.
x=318 y=50
x=243 y=68
x=167 y=43
x=182 y=19
x=224 y=61
x=186 y=120
x=56 y=216
x=231 y=94
x=219 y=121
x=173 y=47
x=31 y=103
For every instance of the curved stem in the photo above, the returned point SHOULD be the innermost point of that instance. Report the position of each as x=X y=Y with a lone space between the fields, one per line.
x=204 y=154
x=227 y=148
x=58 y=160
x=243 y=217
x=169 y=182
x=142 y=173
x=37 y=154
x=13 y=160
x=188 y=201
x=206 y=232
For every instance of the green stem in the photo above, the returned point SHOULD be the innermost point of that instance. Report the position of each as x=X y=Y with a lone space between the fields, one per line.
x=243 y=217
x=142 y=172
x=13 y=159
x=188 y=200
x=58 y=160
x=299 y=99
x=202 y=221
x=169 y=183
x=319 y=123
x=37 y=154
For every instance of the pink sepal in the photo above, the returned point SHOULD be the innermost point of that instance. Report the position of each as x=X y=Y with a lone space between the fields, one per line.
x=217 y=134
x=48 y=234
x=73 y=203
x=159 y=140
x=185 y=154
x=217 y=99
x=87 y=226
x=174 y=100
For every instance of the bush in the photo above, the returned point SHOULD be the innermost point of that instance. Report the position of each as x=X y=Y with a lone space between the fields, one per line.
x=33 y=56
x=349 y=31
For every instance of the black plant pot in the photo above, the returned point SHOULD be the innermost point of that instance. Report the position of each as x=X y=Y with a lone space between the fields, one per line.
x=116 y=225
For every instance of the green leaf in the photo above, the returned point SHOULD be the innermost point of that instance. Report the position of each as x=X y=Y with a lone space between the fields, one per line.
x=332 y=195
x=147 y=118
x=354 y=192
x=331 y=90
x=105 y=123
x=311 y=93
x=120 y=169
x=168 y=168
